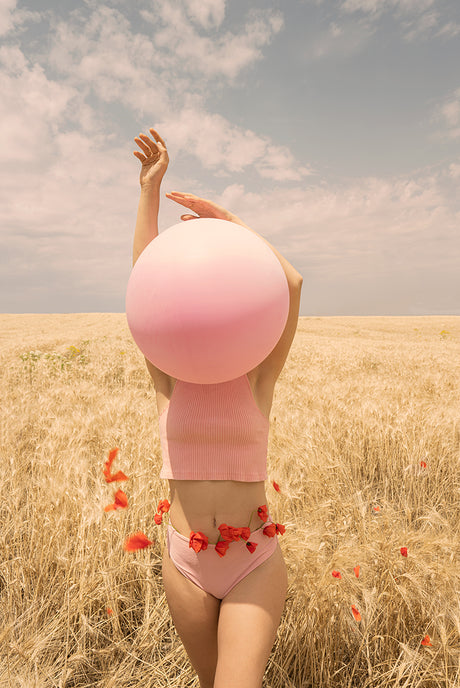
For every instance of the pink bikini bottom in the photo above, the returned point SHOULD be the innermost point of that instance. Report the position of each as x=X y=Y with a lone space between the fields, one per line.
x=212 y=573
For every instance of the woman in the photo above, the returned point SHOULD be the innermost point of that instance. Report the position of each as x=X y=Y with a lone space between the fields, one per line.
x=224 y=574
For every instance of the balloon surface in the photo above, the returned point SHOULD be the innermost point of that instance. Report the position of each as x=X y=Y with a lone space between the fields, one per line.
x=207 y=301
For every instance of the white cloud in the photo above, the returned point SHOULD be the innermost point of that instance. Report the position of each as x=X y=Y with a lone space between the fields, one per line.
x=222 y=54
x=418 y=18
x=448 y=114
x=378 y=7
x=206 y=13
x=449 y=30
x=223 y=146
x=359 y=226
x=31 y=110
x=6 y=15
x=101 y=57
x=12 y=18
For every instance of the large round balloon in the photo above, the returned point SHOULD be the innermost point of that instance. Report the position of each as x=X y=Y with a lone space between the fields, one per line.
x=207 y=301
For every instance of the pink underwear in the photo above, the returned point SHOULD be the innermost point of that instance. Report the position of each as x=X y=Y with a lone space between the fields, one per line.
x=212 y=573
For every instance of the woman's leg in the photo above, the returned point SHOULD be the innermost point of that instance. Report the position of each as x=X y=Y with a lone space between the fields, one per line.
x=248 y=621
x=195 y=615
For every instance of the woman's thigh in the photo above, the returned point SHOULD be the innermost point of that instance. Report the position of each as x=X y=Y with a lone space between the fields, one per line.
x=249 y=618
x=195 y=615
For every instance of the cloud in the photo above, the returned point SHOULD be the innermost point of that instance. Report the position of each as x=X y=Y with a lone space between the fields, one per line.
x=223 y=54
x=358 y=226
x=222 y=146
x=418 y=19
x=11 y=18
x=206 y=13
x=448 y=115
x=100 y=55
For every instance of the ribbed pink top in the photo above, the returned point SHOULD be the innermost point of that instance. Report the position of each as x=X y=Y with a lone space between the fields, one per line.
x=214 y=432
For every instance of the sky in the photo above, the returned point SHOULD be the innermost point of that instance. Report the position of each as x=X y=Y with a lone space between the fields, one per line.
x=331 y=127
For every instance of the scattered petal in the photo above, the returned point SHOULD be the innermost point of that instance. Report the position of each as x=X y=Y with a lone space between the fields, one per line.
x=403 y=551
x=158 y=518
x=376 y=508
x=276 y=486
x=198 y=541
x=356 y=613
x=426 y=641
x=137 y=541
x=337 y=574
x=109 y=611
x=251 y=546
x=118 y=477
x=121 y=501
x=221 y=547
x=423 y=464
x=262 y=512
x=356 y=570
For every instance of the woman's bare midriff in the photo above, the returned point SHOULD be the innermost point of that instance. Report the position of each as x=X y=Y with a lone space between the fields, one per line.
x=202 y=505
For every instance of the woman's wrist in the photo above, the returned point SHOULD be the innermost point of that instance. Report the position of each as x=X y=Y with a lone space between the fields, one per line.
x=151 y=187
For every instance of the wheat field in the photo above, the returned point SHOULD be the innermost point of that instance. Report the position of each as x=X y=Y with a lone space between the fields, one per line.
x=364 y=444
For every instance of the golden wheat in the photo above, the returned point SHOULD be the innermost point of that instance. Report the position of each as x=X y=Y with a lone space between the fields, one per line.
x=361 y=406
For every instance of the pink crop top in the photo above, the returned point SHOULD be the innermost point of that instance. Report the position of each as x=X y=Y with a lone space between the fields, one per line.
x=214 y=432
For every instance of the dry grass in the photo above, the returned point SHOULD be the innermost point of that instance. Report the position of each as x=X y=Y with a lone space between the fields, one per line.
x=360 y=403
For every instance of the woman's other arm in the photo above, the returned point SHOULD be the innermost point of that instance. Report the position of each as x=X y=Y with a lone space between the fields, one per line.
x=205 y=208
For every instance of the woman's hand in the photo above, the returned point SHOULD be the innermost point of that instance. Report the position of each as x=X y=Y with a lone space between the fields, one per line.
x=154 y=158
x=202 y=208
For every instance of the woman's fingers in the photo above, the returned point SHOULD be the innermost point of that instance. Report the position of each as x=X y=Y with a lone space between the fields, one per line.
x=187 y=200
x=148 y=146
x=157 y=137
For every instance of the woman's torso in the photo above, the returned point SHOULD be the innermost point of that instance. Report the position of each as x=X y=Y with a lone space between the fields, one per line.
x=202 y=505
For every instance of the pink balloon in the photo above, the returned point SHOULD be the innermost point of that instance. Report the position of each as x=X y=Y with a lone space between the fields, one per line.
x=207 y=301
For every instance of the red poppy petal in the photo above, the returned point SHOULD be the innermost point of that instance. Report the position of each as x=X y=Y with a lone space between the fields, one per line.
x=245 y=533
x=110 y=507
x=221 y=547
x=163 y=506
x=356 y=613
x=121 y=499
x=136 y=541
x=262 y=512
x=118 y=477
x=109 y=610
x=276 y=486
x=270 y=531
x=426 y=641
x=198 y=541
x=251 y=546
x=280 y=529
x=403 y=551
x=337 y=574
x=423 y=464
x=158 y=518
x=226 y=532
x=356 y=570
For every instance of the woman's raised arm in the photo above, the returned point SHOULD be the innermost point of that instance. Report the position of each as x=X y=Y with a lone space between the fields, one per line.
x=154 y=158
